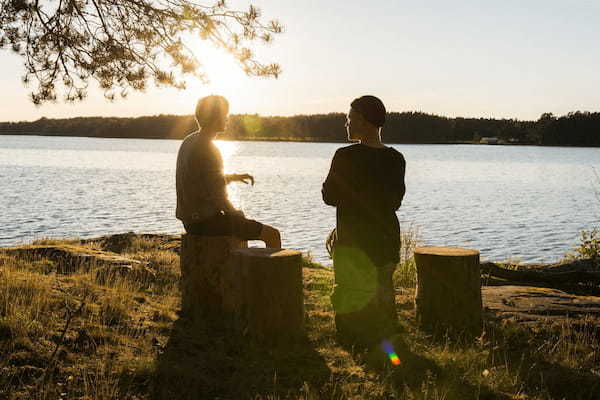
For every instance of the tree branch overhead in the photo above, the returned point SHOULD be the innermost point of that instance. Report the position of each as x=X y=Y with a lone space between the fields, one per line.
x=124 y=44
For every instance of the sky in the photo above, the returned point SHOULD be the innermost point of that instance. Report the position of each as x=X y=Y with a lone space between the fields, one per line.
x=500 y=59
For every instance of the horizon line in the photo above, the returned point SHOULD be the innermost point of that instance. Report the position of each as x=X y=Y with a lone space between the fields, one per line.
x=299 y=115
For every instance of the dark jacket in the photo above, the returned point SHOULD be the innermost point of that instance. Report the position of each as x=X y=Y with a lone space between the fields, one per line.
x=366 y=185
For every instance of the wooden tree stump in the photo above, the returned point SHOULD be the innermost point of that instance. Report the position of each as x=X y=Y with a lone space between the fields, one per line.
x=266 y=297
x=202 y=263
x=449 y=290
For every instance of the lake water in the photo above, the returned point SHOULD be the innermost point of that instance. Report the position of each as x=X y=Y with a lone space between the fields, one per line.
x=510 y=202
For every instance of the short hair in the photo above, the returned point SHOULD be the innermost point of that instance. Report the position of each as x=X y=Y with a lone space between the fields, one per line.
x=371 y=108
x=210 y=108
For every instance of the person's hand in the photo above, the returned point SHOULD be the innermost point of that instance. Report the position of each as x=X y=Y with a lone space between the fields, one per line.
x=245 y=178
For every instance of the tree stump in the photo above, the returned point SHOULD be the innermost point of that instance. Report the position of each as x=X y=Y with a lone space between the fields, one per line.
x=203 y=260
x=266 y=297
x=449 y=290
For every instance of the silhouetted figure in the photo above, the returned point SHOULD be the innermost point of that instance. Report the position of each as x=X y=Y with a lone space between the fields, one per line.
x=202 y=202
x=366 y=185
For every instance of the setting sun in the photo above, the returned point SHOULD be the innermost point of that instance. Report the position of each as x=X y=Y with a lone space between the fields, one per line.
x=223 y=73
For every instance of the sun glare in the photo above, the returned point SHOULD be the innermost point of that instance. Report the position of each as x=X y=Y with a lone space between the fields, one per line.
x=224 y=74
x=227 y=149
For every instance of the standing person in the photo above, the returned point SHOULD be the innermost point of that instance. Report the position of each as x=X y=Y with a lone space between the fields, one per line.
x=366 y=185
x=202 y=202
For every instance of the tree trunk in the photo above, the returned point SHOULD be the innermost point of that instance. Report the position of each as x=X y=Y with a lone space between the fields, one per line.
x=203 y=261
x=541 y=275
x=449 y=290
x=265 y=296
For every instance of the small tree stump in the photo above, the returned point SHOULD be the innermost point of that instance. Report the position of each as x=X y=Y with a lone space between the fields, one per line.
x=449 y=289
x=203 y=260
x=266 y=297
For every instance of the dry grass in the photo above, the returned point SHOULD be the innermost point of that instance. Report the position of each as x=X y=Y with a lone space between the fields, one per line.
x=128 y=343
x=406 y=272
x=108 y=347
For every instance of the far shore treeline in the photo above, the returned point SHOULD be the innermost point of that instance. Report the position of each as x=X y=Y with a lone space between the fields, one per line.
x=574 y=129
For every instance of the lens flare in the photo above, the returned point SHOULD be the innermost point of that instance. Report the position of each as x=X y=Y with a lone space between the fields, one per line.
x=388 y=348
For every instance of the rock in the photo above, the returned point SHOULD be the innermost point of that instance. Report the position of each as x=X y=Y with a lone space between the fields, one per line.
x=536 y=305
x=117 y=243
x=70 y=258
x=120 y=242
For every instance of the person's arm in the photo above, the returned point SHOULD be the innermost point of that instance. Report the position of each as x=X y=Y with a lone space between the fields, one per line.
x=397 y=185
x=244 y=178
x=331 y=190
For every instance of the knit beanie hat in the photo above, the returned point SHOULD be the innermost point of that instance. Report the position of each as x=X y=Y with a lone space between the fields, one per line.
x=371 y=108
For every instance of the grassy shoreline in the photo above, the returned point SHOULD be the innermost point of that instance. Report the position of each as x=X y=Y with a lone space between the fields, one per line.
x=66 y=331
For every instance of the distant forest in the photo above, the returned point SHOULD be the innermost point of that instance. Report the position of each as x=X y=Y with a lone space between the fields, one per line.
x=574 y=129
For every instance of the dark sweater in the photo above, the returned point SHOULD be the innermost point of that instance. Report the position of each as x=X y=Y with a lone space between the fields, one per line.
x=366 y=185
x=199 y=181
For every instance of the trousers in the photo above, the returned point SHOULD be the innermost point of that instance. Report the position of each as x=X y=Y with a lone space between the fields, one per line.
x=363 y=298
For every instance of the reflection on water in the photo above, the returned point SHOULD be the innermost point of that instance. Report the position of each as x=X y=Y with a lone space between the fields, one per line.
x=520 y=202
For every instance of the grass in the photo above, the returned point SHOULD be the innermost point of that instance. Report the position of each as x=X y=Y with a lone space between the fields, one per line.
x=73 y=336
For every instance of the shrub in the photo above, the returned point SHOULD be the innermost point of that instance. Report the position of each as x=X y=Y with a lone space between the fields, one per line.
x=590 y=245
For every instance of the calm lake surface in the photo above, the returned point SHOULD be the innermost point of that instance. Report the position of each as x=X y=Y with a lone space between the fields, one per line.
x=510 y=202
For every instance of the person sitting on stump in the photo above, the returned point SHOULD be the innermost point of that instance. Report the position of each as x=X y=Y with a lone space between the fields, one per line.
x=366 y=185
x=202 y=202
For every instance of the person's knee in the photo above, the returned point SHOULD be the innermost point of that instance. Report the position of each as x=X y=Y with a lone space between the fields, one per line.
x=271 y=237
